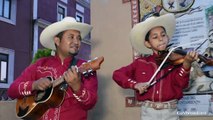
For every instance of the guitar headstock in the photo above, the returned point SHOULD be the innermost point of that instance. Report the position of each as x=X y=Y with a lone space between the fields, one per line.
x=91 y=65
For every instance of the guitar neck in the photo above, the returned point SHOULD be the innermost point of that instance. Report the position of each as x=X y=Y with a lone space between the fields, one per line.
x=58 y=81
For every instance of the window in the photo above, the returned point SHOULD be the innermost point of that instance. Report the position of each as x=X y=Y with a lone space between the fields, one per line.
x=79 y=17
x=79 y=14
x=65 y=1
x=88 y=1
x=61 y=12
x=8 y=11
x=79 y=8
x=6 y=67
x=5 y=8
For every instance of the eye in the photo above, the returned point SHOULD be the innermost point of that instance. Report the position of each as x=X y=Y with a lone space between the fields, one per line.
x=79 y=38
x=70 y=37
x=154 y=37
x=163 y=34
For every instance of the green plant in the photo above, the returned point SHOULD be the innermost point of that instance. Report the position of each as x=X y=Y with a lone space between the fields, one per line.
x=41 y=53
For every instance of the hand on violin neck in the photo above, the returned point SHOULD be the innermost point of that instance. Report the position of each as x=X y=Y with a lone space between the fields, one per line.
x=190 y=57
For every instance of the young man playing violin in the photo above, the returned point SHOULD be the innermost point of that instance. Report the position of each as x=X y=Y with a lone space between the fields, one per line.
x=159 y=101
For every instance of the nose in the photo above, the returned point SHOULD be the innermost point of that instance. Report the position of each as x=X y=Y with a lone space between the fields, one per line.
x=76 y=40
x=160 y=38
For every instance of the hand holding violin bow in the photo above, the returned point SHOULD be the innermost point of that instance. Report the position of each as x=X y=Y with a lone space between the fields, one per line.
x=141 y=87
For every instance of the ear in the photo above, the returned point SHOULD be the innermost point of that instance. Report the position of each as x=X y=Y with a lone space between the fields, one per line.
x=56 y=41
x=147 y=44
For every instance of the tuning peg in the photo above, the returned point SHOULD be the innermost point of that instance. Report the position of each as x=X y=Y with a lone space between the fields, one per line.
x=77 y=69
x=90 y=70
x=84 y=73
x=63 y=86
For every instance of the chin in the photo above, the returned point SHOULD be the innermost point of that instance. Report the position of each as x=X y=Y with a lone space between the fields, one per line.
x=162 y=49
x=73 y=53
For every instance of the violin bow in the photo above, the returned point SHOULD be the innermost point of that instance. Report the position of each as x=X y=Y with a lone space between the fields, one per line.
x=201 y=44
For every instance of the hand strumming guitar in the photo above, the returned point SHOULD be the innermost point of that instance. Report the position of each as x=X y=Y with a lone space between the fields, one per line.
x=41 y=84
x=73 y=78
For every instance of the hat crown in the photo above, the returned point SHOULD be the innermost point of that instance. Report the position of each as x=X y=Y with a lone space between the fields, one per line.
x=69 y=19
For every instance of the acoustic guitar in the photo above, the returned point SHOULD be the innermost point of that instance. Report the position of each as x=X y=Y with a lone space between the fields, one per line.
x=34 y=106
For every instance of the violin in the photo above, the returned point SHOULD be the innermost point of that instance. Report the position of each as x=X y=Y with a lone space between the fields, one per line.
x=177 y=57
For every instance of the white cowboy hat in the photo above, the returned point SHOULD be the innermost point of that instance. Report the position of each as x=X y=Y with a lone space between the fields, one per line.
x=139 y=31
x=48 y=34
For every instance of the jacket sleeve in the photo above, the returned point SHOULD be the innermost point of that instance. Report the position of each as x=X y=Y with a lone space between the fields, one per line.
x=87 y=95
x=181 y=77
x=124 y=76
x=22 y=85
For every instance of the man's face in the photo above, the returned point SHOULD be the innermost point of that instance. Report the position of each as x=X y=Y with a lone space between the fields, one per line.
x=70 y=43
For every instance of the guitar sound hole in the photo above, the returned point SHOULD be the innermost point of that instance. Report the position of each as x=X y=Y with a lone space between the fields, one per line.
x=39 y=95
x=43 y=95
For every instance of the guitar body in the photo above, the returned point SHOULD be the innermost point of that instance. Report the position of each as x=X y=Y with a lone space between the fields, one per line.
x=33 y=107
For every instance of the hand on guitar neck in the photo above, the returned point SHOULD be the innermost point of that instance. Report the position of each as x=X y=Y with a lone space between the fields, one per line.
x=73 y=78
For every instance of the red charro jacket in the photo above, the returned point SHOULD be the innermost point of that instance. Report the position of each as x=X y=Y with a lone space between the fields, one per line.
x=74 y=106
x=142 y=69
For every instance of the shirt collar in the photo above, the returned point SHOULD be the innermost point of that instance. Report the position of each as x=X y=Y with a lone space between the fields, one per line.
x=65 y=61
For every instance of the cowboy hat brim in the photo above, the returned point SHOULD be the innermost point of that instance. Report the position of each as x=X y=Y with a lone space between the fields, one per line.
x=139 y=31
x=48 y=34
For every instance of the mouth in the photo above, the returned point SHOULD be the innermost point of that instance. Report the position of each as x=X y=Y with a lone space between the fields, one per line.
x=163 y=45
x=75 y=47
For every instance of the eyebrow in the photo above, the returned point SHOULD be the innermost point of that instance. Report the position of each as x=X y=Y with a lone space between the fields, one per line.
x=160 y=32
x=73 y=34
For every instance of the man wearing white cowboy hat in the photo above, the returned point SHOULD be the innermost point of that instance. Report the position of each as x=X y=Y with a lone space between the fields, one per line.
x=159 y=97
x=81 y=94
